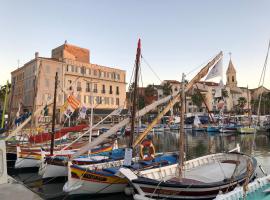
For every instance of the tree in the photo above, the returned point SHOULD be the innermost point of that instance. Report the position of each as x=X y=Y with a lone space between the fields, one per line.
x=242 y=103
x=150 y=91
x=167 y=89
x=224 y=93
x=197 y=99
x=3 y=91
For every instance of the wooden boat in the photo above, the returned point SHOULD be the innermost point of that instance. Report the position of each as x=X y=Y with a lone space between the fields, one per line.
x=203 y=178
x=56 y=166
x=248 y=130
x=213 y=129
x=258 y=189
x=32 y=158
x=102 y=178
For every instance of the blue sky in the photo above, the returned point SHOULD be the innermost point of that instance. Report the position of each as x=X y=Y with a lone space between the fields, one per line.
x=177 y=36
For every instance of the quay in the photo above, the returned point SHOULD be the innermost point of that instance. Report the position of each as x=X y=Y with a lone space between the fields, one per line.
x=14 y=190
x=10 y=189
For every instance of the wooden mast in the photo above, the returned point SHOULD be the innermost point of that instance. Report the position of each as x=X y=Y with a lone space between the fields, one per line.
x=249 y=115
x=134 y=103
x=54 y=110
x=182 y=133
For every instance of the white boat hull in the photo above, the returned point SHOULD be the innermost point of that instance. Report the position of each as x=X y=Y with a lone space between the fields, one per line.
x=26 y=163
x=73 y=186
x=51 y=171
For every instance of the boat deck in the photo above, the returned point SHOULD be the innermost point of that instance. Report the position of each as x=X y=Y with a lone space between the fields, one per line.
x=212 y=172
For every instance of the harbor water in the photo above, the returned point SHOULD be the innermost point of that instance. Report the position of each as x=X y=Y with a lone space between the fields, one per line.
x=196 y=144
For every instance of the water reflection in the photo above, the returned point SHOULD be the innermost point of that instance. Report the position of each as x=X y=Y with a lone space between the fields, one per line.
x=201 y=143
x=196 y=144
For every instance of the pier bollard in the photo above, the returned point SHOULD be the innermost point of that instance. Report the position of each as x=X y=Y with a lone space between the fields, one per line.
x=3 y=163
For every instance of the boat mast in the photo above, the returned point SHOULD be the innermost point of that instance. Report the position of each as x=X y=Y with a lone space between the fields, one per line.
x=249 y=114
x=53 y=117
x=182 y=133
x=134 y=103
x=262 y=82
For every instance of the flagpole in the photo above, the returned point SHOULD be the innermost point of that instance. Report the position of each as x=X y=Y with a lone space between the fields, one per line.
x=4 y=109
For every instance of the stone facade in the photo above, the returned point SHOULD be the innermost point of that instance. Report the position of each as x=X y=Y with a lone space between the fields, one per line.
x=33 y=83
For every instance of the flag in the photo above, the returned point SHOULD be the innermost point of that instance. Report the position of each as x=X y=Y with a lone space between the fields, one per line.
x=18 y=112
x=70 y=105
x=83 y=112
x=218 y=92
x=216 y=71
x=73 y=102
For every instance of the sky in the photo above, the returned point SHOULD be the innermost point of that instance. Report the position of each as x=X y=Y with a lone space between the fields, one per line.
x=177 y=36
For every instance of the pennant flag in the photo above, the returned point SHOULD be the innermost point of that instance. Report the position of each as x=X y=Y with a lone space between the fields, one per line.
x=19 y=110
x=83 y=112
x=216 y=71
x=219 y=89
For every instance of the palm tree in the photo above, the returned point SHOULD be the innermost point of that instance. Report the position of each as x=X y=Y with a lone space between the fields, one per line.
x=242 y=103
x=167 y=89
x=3 y=91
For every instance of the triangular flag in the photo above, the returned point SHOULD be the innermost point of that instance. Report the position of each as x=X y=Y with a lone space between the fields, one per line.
x=216 y=71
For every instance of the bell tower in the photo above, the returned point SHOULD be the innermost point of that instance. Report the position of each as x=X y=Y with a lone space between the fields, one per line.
x=231 y=75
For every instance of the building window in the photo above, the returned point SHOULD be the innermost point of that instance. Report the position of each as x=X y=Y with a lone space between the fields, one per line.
x=112 y=100
x=79 y=97
x=102 y=74
x=117 y=101
x=95 y=72
x=67 y=68
x=103 y=89
x=108 y=74
x=111 y=89
x=82 y=70
x=76 y=69
x=107 y=100
x=79 y=88
x=175 y=89
x=70 y=82
x=232 y=78
x=97 y=100
x=87 y=89
x=95 y=88
x=117 y=90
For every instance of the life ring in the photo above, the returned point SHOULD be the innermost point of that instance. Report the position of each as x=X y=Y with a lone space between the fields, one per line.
x=151 y=150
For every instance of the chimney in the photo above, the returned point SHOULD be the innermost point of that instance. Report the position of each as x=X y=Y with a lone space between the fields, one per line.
x=36 y=54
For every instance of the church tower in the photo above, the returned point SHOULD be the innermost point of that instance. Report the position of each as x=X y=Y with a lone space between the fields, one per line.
x=231 y=75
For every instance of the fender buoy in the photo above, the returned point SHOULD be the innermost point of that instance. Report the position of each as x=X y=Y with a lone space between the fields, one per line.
x=147 y=144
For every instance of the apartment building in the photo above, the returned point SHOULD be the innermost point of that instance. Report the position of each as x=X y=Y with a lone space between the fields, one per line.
x=33 y=83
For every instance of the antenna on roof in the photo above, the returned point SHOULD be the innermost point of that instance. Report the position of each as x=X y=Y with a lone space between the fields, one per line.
x=18 y=62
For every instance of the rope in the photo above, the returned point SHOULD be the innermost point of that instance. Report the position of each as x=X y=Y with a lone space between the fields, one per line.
x=147 y=63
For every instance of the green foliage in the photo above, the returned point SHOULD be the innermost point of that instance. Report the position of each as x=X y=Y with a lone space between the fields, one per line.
x=197 y=99
x=167 y=89
x=150 y=91
x=3 y=90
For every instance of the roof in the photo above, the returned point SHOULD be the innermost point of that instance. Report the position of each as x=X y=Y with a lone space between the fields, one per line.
x=209 y=83
x=231 y=68
x=172 y=81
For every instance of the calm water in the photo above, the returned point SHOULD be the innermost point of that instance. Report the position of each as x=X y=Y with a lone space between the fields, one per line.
x=196 y=144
